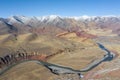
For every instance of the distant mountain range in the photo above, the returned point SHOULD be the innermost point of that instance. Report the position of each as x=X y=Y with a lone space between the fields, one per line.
x=54 y=24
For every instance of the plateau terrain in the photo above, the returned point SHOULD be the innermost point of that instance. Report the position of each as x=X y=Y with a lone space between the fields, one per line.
x=65 y=41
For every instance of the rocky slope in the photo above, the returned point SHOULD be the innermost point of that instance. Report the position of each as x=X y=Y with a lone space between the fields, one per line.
x=55 y=24
x=68 y=41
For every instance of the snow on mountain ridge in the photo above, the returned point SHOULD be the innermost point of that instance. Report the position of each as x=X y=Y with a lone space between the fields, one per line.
x=21 y=19
x=49 y=18
x=93 y=17
x=102 y=22
x=56 y=18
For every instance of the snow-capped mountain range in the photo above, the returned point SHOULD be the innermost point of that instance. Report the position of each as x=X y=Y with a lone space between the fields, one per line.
x=23 y=24
x=56 y=17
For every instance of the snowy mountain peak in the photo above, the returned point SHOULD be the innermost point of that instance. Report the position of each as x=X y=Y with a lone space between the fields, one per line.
x=56 y=18
x=85 y=17
x=49 y=18
x=63 y=22
x=53 y=16
x=21 y=19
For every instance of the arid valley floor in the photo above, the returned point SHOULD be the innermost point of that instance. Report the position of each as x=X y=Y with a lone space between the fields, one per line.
x=65 y=42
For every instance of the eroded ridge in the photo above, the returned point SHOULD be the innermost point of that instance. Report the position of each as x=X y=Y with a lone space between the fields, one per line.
x=8 y=61
x=18 y=57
